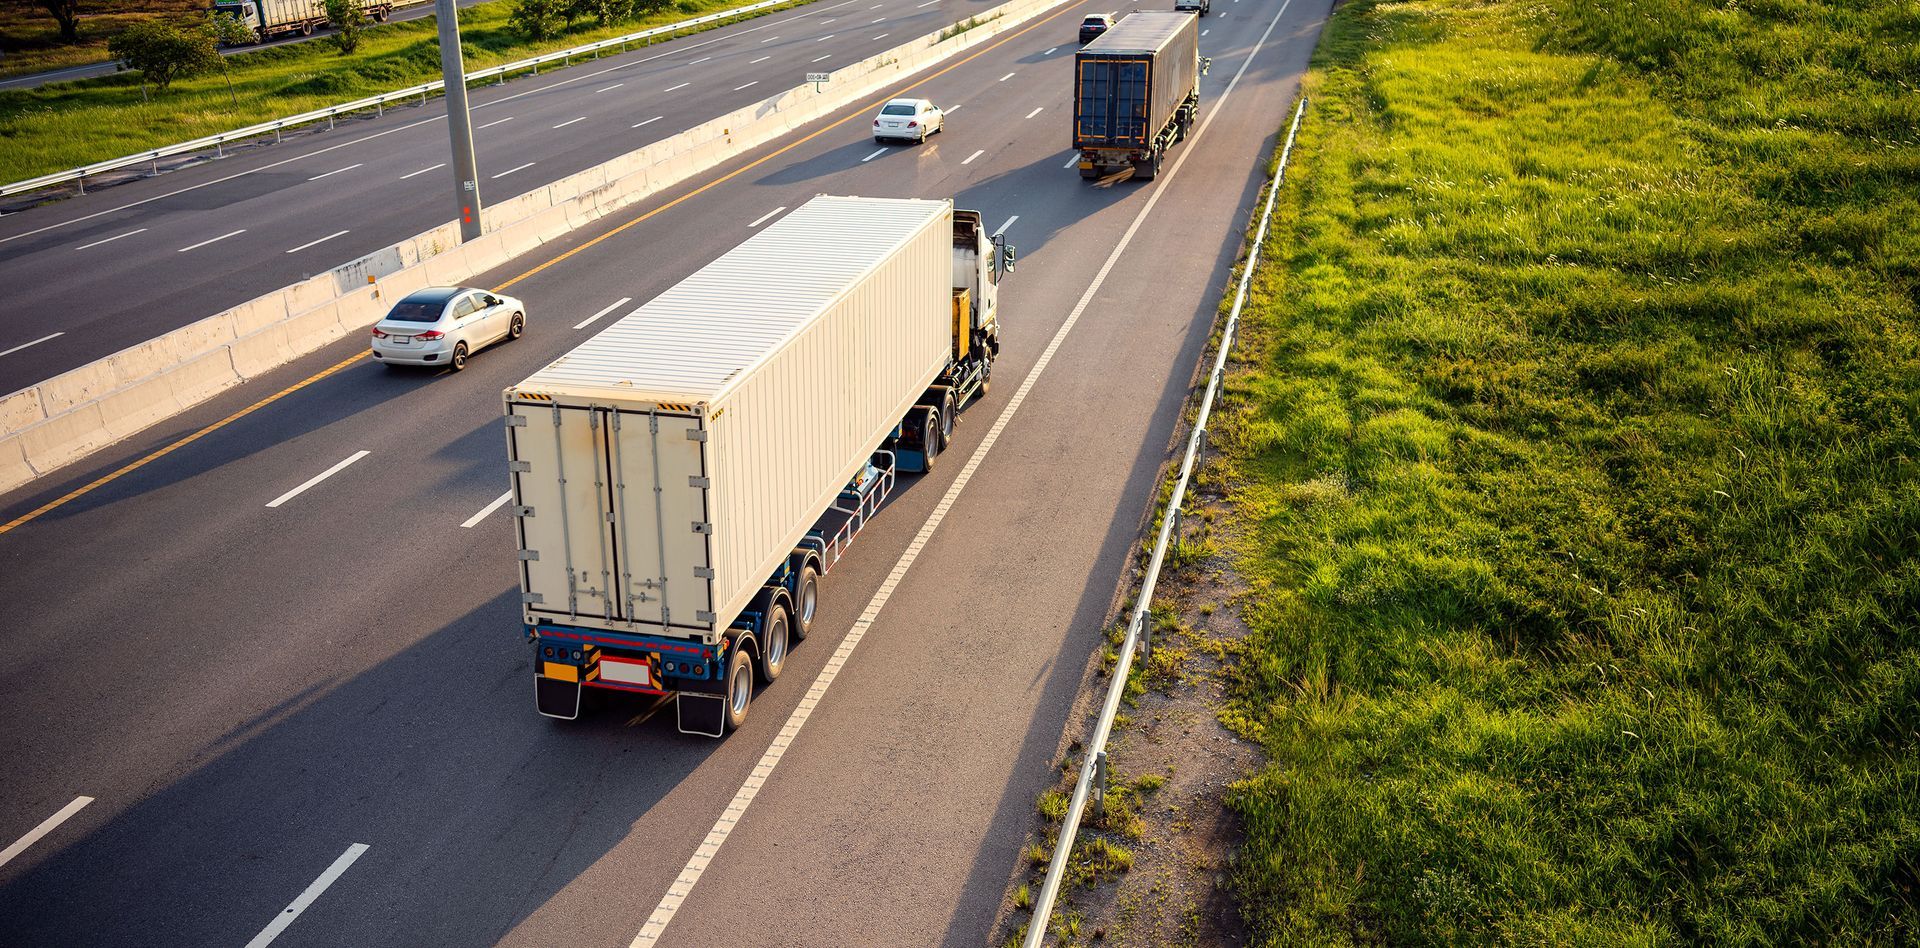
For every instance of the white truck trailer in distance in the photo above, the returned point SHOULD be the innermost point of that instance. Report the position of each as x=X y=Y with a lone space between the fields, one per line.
x=683 y=480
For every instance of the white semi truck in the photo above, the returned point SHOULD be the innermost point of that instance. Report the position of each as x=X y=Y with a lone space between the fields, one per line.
x=684 y=480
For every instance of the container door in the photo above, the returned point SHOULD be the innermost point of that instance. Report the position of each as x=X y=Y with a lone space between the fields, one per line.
x=562 y=503
x=661 y=521
x=1113 y=100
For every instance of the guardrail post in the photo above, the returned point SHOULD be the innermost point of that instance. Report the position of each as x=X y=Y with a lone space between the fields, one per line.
x=1100 y=785
x=82 y=181
x=1201 y=442
x=329 y=121
x=380 y=109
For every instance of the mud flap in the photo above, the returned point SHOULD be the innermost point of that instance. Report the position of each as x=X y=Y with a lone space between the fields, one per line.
x=705 y=715
x=556 y=698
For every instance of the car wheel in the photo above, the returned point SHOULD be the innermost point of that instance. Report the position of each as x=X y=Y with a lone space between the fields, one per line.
x=518 y=327
x=459 y=356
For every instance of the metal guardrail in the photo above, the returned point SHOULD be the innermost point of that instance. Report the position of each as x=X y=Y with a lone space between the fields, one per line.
x=1093 y=773
x=378 y=103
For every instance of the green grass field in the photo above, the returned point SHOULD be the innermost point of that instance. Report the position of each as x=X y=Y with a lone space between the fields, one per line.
x=71 y=124
x=1576 y=444
x=30 y=37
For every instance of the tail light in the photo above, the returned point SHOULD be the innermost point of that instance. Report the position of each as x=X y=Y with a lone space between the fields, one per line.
x=429 y=336
x=377 y=334
x=913 y=124
x=876 y=123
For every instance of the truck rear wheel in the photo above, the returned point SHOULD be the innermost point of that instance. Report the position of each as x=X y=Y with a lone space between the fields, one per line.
x=739 y=689
x=929 y=440
x=806 y=601
x=775 y=640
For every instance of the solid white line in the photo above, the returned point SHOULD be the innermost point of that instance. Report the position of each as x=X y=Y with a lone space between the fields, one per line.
x=203 y=244
x=490 y=508
x=337 y=171
x=973 y=156
x=494 y=122
x=680 y=86
x=763 y=218
x=682 y=886
x=327 y=878
x=760 y=60
x=33 y=343
x=649 y=121
x=1072 y=161
x=415 y=174
x=753 y=83
x=1006 y=77
x=320 y=241
x=876 y=154
x=570 y=122
x=1003 y=227
x=622 y=301
x=827 y=56
x=608 y=88
x=111 y=239
x=53 y=822
x=1035 y=112
x=512 y=170
x=317 y=478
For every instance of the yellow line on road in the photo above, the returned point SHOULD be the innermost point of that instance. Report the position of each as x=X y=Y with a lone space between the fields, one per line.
x=317 y=376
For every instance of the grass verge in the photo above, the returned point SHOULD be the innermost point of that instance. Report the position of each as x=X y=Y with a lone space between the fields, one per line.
x=1574 y=434
x=30 y=37
x=66 y=125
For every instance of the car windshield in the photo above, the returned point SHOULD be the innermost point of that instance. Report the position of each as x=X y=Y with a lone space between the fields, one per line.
x=897 y=108
x=409 y=311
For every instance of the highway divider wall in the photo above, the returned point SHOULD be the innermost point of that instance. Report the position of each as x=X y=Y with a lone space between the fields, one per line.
x=65 y=418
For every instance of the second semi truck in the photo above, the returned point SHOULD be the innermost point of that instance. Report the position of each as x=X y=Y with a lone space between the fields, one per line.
x=270 y=18
x=1136 y=92
x=683 y=480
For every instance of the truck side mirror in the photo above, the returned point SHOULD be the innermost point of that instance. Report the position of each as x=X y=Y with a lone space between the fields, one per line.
x=1006 y=258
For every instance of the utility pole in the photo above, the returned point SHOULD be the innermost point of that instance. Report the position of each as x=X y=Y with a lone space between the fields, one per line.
x=466 y=177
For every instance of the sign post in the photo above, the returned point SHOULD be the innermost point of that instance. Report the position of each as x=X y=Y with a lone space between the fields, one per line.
x=818 y=79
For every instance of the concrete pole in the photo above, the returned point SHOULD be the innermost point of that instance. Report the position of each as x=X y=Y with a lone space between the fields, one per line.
x=466 y=177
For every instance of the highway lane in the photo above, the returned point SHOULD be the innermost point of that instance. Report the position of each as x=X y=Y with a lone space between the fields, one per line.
x=249 y=692
x=95 y=274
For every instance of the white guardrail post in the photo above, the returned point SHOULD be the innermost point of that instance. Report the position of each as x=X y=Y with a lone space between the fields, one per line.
x=1093 y=773
x=378 y=102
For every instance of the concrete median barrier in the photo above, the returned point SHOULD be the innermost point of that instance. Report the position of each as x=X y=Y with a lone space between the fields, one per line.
x=65 y=418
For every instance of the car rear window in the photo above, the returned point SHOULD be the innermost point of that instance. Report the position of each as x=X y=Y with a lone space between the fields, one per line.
x=407 y=311
x=1095 y=21
x=897 y=110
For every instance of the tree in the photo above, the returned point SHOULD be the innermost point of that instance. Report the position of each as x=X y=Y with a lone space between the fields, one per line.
x=164 y=52
x=605 y=12
x=347 y=19
x=67 y=12
x=538 y=19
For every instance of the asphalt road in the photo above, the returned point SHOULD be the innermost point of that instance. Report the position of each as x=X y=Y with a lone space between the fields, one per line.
x=89 y=276
x=313 y=723
x=421 y=8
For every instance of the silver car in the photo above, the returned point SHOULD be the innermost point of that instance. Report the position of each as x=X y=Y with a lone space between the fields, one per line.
x=443 y=325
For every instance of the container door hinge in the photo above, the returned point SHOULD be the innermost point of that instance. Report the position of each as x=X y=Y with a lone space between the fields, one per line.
x=695 y=434
x=516 y=421
x=700 y=482
x=522 y=511
x=519 y=467
x=531 y=599
x=529 y=555
x=703 y=572
x=699 y=527
x=703 y=616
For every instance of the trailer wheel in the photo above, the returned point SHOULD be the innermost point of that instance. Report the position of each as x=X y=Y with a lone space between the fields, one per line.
x=775 y=642
x=946 y=418
x=379 y=14
x=306 y=29
x=806 y=601
x=929 y=441
x=739 y=689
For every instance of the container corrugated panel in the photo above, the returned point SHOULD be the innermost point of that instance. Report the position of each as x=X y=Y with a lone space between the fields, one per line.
x=793 y=356
x=1156 y=49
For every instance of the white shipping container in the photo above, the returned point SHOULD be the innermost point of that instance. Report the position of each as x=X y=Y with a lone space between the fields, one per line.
x=665 y=468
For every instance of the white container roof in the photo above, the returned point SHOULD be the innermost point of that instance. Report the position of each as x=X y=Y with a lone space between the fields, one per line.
x=691 y=342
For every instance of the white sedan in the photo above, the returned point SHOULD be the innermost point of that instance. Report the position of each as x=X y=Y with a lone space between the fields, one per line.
x=443 y=325
x=911 y=119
